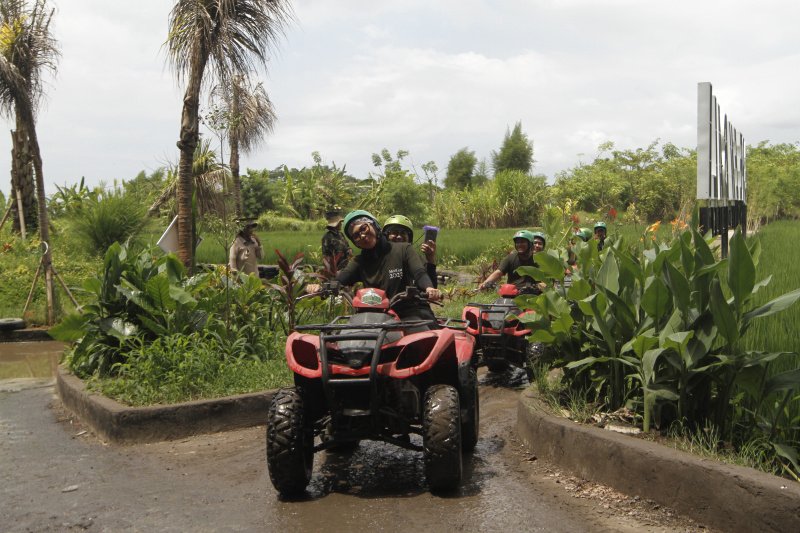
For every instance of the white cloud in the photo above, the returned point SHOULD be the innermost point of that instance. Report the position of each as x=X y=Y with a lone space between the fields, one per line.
x=353 y=77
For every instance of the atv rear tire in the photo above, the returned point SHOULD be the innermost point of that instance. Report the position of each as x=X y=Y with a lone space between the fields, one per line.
x=497 y=365
x=441 y=438
x=469 y=424
x=290 y=448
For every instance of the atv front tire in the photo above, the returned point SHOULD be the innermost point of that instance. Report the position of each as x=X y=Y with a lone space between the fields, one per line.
x=441 y=438
x=290 y=448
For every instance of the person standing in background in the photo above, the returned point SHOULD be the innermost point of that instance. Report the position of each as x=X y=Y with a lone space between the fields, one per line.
x=334 y=244
x=246 y=249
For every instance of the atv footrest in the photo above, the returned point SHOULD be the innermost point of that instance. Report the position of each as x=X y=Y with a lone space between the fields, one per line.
x=355 y=412
x=349 y=381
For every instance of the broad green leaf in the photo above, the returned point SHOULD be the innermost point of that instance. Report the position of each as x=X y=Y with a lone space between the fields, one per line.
x=774 y=306
x=724 y=317
x=603 y=326
x=789 y=380
x=679 y=287
x=640 y=344
x=656 y=297
x=535 y=273
x=687 y=255
x=761 y=284
x=70 y=329
x=552 y=266
x=755 y=250
x=663 y=392
x=181 y=296
x=579 y=290
x=673 y=325
x=152 y=325
x=93 y=285
x=741 y=270
x=174 y=268
x=118 y=327
x=788 y=453
x=621 y=311
x=157 y=290
x=608 y=276
x=541 y=335
x=649 y=360
x=702 y=253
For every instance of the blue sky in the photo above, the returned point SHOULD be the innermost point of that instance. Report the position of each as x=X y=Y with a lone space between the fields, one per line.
x=351 y=78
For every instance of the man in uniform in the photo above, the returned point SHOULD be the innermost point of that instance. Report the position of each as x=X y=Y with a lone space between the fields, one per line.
x=334 y=245
x=246 y=249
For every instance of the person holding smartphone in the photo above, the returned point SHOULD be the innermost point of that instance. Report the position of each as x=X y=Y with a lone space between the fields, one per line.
x=386 y=265
x=398 y=228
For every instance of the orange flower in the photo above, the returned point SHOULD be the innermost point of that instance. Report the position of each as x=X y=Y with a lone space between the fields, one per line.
x=652 y=228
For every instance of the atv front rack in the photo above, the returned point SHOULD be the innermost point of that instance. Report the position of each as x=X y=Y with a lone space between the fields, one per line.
x=334 y=332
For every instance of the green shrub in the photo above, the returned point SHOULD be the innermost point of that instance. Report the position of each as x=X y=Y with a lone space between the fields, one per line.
x=110 y=218
x=177 y=368
x=656 y=328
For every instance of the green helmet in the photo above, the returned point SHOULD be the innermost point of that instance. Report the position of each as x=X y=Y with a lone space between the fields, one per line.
x=358 y=213
x=600 y=224
x=539 y=235
x=400 y=220
x=584 y=234
x=524 y=234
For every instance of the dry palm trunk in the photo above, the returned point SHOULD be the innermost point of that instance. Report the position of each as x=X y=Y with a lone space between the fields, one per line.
x=22 y=181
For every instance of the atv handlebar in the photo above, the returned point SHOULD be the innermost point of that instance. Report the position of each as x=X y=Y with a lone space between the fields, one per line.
x=414 y=294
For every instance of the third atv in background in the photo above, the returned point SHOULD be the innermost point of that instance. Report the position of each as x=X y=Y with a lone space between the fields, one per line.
x=500 y=337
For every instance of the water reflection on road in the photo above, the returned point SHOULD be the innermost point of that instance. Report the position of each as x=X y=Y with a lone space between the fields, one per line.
x=29 y=359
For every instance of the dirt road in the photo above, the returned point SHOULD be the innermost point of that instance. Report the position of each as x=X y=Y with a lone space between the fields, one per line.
x=57 y=476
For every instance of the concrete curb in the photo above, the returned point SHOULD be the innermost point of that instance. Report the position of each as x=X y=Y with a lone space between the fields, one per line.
x=726 y=497
x=121 y=424
x=25 y=335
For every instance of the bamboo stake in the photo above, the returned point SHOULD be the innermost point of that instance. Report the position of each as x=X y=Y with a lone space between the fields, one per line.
x=21 y=213
x=66 y=289
x=33 y=286
x=5 y=217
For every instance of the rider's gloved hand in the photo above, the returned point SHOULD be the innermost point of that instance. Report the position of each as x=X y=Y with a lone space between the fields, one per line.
x=312 y=288
x=434 y=295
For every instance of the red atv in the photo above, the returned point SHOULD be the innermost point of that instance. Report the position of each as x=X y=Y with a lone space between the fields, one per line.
x=500 y=337
x=373 y=376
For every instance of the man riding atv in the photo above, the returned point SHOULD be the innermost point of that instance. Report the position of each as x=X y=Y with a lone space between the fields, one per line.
x=526 y=244
x=390 y=266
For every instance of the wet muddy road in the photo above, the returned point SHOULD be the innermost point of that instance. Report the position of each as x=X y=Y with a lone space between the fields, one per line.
x=59 y=477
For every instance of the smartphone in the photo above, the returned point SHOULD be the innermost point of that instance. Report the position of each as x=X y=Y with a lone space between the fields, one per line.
x=430 y=233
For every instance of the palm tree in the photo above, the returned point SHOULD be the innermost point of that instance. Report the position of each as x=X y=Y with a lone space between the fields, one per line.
x=230 y=37
x=27 y=49
x=250 y=116
x=209 y=178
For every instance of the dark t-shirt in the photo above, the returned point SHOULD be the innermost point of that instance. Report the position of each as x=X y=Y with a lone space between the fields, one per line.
x=390 y=266
x=511 y=263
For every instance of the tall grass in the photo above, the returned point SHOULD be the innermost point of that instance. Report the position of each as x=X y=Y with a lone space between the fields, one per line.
x=780 y=257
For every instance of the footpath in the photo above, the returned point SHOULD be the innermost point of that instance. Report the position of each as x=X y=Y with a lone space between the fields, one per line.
x=724 y=497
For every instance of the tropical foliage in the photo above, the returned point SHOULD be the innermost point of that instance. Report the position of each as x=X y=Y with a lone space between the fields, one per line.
x=658 y=326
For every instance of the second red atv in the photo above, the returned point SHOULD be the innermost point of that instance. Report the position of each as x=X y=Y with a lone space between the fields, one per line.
x=500 y=337
x=373 y=376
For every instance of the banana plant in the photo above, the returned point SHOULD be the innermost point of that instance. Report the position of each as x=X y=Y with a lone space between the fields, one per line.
x=651 y=326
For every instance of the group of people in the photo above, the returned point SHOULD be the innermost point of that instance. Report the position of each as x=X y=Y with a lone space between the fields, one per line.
x=389 y=261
